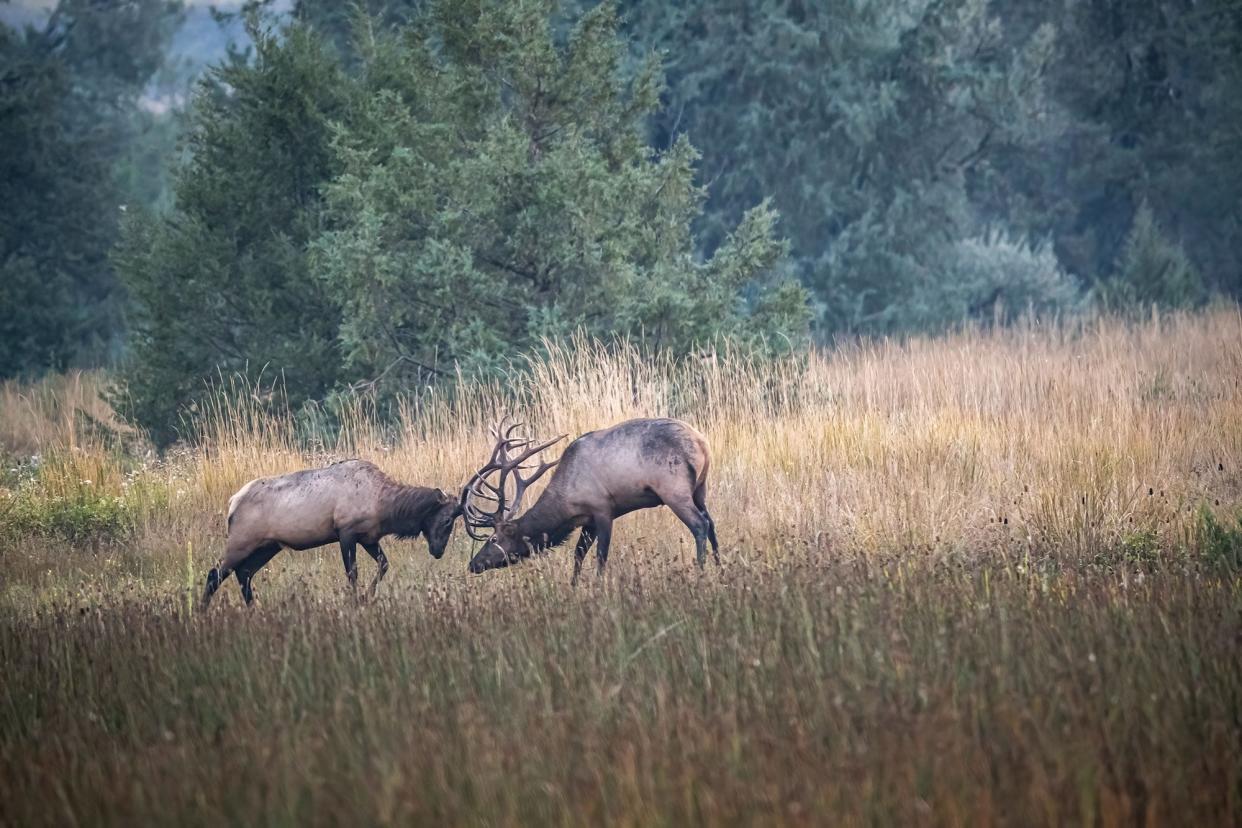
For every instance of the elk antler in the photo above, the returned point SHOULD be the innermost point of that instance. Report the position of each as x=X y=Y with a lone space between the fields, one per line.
x=508 y=458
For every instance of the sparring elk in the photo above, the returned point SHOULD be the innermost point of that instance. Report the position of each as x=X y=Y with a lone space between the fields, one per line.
x=637 y=464
x=351 y=502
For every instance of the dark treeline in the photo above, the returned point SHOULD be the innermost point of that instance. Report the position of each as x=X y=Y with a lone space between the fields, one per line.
x=373 y=196
x=75 y=149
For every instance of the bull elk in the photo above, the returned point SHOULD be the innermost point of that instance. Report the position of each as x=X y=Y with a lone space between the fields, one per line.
x=637 y=464
x=351 y=502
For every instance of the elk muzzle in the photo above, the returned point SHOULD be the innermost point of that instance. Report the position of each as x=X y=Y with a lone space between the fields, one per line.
x=491 y=556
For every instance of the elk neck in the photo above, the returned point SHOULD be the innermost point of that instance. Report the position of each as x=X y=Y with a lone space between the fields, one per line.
x=547 y=523
x=406 y=508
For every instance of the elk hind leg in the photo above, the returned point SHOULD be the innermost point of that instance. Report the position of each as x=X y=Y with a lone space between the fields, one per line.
x=700 y=502
x=374 y=550
x=697 y=522
x=247 y=569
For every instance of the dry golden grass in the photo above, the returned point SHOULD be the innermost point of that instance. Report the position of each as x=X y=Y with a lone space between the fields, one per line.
x=60 y=412
x=965 y=580
x=1029 y=441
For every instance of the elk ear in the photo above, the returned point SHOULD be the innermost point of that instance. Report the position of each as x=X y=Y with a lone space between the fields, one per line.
x=443 y=497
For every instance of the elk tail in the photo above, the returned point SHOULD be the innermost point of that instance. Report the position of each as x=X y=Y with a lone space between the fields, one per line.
x=696 y=479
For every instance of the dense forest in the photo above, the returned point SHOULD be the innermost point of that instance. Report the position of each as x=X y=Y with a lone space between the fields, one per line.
x=386 y=195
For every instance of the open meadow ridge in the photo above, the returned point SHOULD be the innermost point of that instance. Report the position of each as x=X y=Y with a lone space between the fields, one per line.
x=990 y=577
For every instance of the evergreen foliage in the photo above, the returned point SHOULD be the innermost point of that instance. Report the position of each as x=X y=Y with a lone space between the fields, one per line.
x=68 y=93
x=473 y=185
x=1152 y=270
x=388 y=191
x=1001 y=278
x=497 y=188
x=1151 y=115
x=863 y=121
x=336 y=21
x=222 y=283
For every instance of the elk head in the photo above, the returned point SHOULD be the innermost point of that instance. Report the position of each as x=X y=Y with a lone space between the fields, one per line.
x=487 y=506
x=438 y=527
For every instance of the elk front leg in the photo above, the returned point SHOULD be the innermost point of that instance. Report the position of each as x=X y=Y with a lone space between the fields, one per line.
x=374 y=550
x=585 y=539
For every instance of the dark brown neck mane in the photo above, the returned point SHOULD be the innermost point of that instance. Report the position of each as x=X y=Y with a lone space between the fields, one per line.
x=545 y=523
x=406 y=509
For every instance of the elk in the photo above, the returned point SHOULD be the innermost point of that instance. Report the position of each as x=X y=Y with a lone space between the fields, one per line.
x=637 y=464
x=351 y=502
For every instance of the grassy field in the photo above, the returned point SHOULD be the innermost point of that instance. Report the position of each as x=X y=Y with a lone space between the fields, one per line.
x=988 y=578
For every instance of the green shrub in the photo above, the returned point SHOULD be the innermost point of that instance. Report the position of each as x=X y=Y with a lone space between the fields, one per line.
x=84 y=515
x=1140 y=548
x=996 y=276
x=1152 y=270
x=1220 y=544
x=93 y=490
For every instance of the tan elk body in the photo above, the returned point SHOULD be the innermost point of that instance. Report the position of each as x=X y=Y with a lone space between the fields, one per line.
x=637 y=464
x=352 y=502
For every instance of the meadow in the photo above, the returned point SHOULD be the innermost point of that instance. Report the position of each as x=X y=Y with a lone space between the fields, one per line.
x=990 y=577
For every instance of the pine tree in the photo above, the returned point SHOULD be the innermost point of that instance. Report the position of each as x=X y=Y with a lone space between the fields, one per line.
x=1151 y=270
x=221 y=283
x=497 y=188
